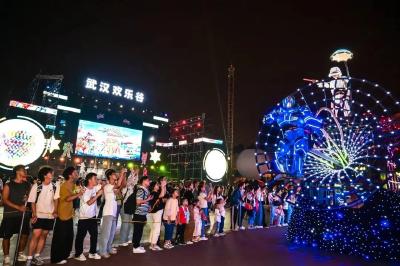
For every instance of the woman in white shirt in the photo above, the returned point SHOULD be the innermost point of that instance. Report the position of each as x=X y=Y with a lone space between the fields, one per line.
x=109 y=225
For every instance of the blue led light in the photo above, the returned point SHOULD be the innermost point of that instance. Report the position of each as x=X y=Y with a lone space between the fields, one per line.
x=385 y=223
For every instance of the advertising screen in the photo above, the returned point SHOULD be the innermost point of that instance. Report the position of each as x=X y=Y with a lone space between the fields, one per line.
x=106 y=141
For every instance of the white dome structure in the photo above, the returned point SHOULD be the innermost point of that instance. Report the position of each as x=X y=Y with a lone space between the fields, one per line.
x=246 y=164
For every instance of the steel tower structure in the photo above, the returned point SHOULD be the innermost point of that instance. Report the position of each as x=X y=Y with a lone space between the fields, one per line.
x=230 y=116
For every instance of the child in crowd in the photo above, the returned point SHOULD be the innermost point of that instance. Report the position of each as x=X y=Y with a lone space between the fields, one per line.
x=170 y=217
x=279 y=215
x=197 y=221
x=219 y=217
x=189 y=228
x=203 y=204
x=183 y=220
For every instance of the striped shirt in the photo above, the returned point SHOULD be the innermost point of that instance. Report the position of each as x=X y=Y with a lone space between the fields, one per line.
x=142 y=194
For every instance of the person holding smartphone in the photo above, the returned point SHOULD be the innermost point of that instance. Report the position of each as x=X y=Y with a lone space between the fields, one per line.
x=87 y=218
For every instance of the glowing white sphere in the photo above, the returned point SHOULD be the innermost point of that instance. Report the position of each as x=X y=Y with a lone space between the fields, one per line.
x=215 y=165
x=21 y=142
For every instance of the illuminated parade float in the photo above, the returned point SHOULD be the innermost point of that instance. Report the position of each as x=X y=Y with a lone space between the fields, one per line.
x=335 y=144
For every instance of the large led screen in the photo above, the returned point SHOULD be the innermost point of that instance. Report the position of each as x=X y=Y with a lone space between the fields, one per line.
x=106 y=141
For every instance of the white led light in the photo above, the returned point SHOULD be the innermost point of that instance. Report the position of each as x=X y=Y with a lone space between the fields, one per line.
x=117 y=91
x=207 y=140
x=215 y=165
x=182 y=142
x=91 y=84
x=69 y=109
x=104 y=87
x=139 y=96
x=145 y=124
x=159 y=118
x=128 y=94
x=164 y=144
x=55 y=95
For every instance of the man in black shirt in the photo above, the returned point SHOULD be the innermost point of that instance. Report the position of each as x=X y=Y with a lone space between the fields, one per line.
x=15 y=194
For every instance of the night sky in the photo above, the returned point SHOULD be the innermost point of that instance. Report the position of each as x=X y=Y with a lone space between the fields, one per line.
x=177 y=53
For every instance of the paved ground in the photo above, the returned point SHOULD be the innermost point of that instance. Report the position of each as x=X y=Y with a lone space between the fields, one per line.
x=46 y=252
x=266 y=247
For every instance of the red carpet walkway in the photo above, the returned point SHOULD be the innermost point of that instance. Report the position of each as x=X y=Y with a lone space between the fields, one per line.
x=264 y=247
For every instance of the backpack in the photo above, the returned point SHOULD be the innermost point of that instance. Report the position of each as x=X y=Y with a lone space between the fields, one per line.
x=130 y=203
x=39 y=190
